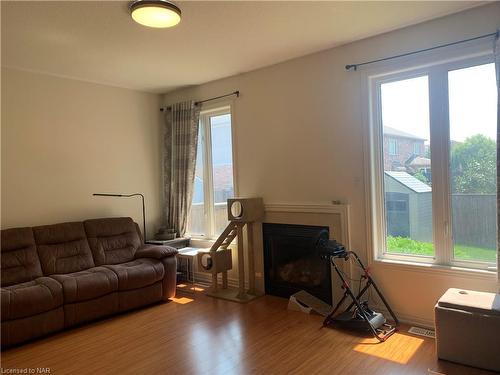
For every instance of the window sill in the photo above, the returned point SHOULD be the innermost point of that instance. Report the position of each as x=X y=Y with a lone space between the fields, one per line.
x=428 y=268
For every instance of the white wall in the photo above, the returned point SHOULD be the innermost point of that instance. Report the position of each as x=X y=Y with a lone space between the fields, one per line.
x=299 y=136
x=63 y=140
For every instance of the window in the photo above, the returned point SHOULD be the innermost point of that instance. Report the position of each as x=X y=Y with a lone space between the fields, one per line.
x=416 y=148
x=393 y=147
x=440 y=207
x=405 y=108
x=473 y=133
x=213 y=183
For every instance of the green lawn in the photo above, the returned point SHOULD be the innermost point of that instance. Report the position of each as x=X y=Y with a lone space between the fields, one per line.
x=405 y=245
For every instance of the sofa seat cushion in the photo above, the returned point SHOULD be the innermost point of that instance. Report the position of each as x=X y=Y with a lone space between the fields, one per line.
x=85 y=285
x=30 y=298
x=138 y=273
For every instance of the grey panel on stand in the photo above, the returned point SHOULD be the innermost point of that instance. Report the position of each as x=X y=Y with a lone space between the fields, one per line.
x=314 y=303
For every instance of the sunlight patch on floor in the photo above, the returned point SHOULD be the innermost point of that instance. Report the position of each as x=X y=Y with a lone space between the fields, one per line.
x=190 y=288
x=390 y=352
x=181 y=300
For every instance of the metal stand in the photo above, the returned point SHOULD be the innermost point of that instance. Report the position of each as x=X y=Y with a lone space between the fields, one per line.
x=378 y=332
x=189 y=254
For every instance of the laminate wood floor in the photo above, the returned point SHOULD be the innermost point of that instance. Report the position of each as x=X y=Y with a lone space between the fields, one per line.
x=202 y=335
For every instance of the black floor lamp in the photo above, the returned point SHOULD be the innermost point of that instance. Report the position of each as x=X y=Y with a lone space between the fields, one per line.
x=129 y=195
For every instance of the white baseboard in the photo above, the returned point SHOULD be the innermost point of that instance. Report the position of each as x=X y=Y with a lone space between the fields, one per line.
x=407 y=318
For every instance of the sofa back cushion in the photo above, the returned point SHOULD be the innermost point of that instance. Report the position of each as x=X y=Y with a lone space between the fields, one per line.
x=63 y=248
x=20 y=261
x=112 y=240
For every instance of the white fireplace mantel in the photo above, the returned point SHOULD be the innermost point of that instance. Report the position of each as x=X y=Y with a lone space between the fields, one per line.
x=334 y=216
x=336 y=209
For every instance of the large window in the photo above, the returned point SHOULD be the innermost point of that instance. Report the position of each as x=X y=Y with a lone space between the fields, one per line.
x=435 y=201
x=213 y=183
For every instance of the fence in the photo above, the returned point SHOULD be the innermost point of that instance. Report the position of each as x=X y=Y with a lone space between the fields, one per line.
x=474 y=220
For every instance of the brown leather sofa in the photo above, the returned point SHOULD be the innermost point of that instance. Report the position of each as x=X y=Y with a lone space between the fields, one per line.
x=58 y=276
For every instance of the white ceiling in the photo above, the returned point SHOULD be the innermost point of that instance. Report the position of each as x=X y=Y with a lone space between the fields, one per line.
x=98 y=41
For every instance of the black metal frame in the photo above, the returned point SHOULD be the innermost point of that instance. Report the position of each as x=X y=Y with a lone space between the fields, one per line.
x=379 y=333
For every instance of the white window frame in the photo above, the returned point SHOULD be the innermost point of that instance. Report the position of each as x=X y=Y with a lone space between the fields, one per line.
x=208 y=186
x=437 y=71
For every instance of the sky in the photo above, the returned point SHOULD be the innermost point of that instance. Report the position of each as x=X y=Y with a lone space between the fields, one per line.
x=222 y=149
x=472 y=101
x=222 y=154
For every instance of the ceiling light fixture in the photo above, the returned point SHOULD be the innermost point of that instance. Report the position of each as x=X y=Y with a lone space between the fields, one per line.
x=155 y=13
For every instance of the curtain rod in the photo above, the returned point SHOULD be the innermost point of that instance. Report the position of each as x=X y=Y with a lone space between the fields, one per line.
x=237 y=93
x=355 y=66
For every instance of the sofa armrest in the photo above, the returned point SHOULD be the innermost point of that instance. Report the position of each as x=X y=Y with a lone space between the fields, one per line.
x=166 y=255
x=155 y=252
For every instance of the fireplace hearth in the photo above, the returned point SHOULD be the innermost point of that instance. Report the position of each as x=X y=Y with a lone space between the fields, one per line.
x=292 y=262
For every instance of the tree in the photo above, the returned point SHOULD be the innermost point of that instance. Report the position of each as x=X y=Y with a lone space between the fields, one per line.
x=420 y=175
x=473 y=166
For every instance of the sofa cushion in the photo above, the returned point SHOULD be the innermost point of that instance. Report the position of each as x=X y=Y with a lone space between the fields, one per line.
x=30 y=298
x=19 y=260
x=138 y=273
x=88 y=284
x=112 y=240
x=63 y=248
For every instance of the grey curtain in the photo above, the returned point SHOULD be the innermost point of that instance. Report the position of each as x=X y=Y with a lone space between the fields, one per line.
x=179 y=161
x=497 y=68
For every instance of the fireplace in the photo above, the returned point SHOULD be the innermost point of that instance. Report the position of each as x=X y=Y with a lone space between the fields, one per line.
x=292 y=262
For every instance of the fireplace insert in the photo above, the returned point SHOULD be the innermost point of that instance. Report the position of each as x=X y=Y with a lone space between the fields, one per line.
x=292 y=261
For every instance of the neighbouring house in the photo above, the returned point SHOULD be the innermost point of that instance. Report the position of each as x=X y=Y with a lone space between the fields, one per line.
x=400 y=147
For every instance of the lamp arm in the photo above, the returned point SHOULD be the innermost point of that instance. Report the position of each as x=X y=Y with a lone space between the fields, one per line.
x=143 y=217
x=130 y=195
